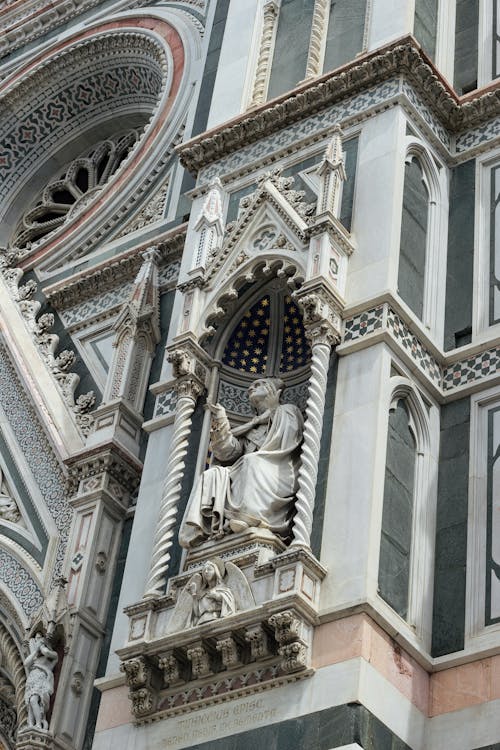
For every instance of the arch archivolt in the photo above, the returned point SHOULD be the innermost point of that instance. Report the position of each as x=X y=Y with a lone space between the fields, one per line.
x=224 y=301
x=134 y=67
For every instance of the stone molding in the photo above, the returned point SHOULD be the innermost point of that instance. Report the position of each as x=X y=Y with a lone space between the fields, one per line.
x=110 y=273
x=90 y=470
x=402 y=57
x=22 y=22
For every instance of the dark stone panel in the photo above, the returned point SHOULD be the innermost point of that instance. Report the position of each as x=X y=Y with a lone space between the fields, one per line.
x=187 y=480
x=345 y=32
x=466 y=44
x=397 y=514
x=351 y=160
x=110 y=623
x=211 y=64
x=234 y=201
x=322 y=730
x=291 y=46
x=459 y=271
x=451 y=531
x=425 y=26
x=324 y=453
x=166 y=304
x=413 y=243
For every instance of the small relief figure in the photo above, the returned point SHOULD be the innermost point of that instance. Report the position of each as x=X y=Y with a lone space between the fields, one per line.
x=218 y=591
x=40 y=681
x=256 y=479
x=8 y=508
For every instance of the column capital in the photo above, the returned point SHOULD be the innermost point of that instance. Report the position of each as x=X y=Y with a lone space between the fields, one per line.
x=322 y=315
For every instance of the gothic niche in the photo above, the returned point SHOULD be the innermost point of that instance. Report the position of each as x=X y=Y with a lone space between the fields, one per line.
x=73 y=188
x=254 y=461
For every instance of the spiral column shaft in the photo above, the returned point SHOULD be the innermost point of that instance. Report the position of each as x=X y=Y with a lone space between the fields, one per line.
x=263 y=62
x=308 y=473
x=160 y=559
x=318 y=36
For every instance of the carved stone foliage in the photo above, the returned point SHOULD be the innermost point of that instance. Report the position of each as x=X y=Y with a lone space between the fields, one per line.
x=215 y=663
x=153 y=211
x=47 y=342
x=401 y=57
x=8 y=721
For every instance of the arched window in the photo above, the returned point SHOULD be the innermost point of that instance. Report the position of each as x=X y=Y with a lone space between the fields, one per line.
x=408 y=510
x=397 y=516
x=421 y=275
x=413 y=245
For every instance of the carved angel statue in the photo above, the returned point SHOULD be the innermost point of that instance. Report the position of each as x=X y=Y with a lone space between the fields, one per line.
x=256 y=479
x=39 y=681
x=218 y=591
x=8 y=507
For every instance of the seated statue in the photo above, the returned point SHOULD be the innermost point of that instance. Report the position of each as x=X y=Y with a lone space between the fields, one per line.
x=218 y=591
x=255 y=481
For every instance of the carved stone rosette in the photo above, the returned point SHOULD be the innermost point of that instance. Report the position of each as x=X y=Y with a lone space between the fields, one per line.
x=191 y=374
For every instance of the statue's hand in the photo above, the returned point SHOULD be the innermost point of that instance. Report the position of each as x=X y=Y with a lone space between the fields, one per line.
x=262 y=418
x=217 y=410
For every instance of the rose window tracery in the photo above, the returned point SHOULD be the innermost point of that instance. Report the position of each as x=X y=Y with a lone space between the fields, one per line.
x=73 y=188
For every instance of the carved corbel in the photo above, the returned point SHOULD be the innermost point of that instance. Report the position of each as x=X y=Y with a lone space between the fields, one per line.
x=199 y=657
x=229 y=650
x=257 y=637
x=139 y=678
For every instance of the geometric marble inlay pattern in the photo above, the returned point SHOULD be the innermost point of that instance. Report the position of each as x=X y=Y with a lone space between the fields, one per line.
x=474 y=368
x=364 y=323
x=19 y=581
x=412 y=345
x=34 y=445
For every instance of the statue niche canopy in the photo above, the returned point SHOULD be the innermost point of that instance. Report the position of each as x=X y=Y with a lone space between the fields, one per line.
x=252 y=478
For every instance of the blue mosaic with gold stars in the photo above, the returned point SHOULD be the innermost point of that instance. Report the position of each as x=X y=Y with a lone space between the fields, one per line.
x=247 y=348
x=294 y=347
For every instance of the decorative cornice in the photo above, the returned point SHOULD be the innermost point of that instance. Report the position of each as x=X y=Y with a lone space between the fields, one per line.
x=402 y=57
x=112 y=272
x=22 y=21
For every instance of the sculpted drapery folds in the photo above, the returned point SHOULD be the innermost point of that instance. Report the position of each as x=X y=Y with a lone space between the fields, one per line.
x=40 y=681
x=255 y=481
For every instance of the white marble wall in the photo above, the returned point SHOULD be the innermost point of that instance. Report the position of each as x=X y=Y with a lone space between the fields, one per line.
x=377 y=207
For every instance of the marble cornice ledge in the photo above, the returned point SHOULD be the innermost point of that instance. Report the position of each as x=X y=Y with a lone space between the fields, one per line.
x=113 y=271
x=402 y=57
x=22 y=21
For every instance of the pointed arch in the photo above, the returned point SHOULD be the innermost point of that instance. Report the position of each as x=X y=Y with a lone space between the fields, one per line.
x=422 y=265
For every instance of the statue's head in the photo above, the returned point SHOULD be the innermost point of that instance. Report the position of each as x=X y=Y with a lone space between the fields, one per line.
x=213 y=569
x=265 y=392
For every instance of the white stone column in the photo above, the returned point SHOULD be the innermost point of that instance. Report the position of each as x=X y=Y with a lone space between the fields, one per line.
x=188 y=390
x=264 y=60
x=317 y=41
x=322 y=324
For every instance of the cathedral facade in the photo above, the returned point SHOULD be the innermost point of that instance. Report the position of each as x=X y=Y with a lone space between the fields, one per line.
x=250 y=374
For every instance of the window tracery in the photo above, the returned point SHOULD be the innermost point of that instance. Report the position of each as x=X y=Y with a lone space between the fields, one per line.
x=73 y=188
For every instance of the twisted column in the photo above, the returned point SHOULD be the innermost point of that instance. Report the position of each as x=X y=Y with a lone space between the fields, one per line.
x=188 y=392
x=263 y=62
x=323 y=334
x=318 y=36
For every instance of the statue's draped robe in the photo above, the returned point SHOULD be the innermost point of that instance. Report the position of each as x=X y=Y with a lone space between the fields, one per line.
x=258 y=488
